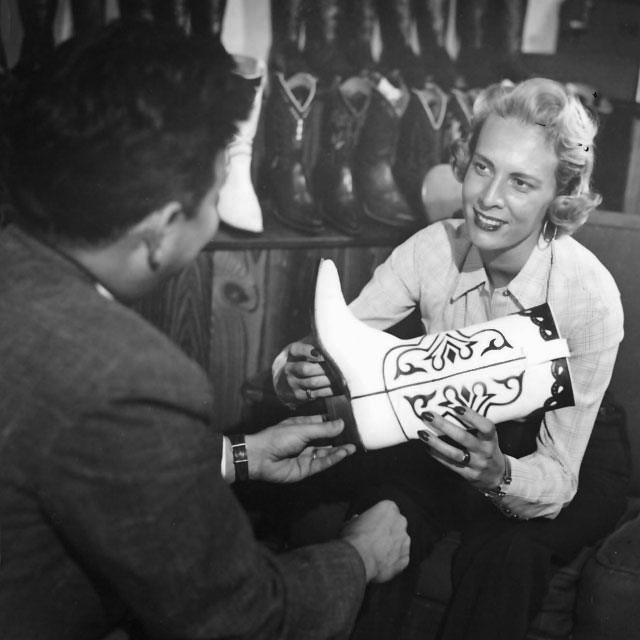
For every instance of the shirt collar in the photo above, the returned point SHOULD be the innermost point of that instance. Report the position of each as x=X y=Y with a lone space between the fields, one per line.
x=526 y=287
x=530 y=286
x=472 y=274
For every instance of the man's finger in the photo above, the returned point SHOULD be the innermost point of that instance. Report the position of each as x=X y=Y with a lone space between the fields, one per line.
x=314 y=430
x=310 y=428
x=328 y=457
x=317 y=418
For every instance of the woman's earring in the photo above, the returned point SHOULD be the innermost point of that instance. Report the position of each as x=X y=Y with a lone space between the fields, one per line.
x=545 y=230
x=152 y=261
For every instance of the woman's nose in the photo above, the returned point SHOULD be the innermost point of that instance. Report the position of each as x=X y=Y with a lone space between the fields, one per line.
x=492 y=195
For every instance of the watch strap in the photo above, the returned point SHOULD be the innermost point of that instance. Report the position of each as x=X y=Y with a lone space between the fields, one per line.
x=240 y=458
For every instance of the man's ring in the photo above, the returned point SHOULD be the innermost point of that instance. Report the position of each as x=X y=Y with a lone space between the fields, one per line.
x=308 y=392
x=314 y=455
x=466 y=458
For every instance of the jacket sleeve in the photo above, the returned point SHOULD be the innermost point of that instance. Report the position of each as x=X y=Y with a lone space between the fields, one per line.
x=136 y=490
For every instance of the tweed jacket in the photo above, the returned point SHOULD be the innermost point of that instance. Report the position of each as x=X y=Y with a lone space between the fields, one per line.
x=112 y=504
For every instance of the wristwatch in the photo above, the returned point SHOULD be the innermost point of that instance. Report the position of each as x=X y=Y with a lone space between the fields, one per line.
x=240 y=458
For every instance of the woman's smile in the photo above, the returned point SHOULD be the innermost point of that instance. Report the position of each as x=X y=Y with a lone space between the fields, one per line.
x=487 y=223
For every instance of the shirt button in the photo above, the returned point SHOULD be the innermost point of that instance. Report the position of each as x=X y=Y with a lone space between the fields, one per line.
x=505 y=292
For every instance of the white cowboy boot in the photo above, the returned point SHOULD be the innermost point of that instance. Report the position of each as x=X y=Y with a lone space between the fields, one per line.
x=238 y=204
x=504 y=369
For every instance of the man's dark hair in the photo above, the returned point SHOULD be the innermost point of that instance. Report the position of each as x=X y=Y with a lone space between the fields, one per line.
x=115 y=127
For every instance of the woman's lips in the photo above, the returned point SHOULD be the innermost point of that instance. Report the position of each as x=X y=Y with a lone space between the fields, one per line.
x=487 y=223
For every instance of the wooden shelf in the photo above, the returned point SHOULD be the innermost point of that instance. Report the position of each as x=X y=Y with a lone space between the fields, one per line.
x=277 y=235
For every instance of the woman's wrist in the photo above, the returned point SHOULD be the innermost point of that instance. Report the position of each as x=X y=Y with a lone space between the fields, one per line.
x=498 y=487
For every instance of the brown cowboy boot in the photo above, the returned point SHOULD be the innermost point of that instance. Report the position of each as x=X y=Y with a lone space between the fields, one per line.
x=345 y=112
x=421 y=139
x=375 y=184
x=289 y=113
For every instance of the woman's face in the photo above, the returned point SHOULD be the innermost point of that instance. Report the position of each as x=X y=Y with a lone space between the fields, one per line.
x=507 y=188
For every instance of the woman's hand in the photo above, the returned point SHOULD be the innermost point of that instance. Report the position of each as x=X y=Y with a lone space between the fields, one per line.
x=283 y=453
x=477 y=458
x=303 y=377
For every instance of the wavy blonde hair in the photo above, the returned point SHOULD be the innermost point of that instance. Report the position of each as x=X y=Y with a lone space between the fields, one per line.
x=568 y=127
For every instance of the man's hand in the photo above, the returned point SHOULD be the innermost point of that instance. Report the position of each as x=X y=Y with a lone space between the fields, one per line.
x=302 y=377
x=380 y=537
x=484 y=465
x=283 y=453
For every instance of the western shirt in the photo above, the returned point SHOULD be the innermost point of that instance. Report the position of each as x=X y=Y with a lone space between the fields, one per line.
x=440 y=271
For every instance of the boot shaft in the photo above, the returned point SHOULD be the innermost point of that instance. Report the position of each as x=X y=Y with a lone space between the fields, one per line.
x=422 y=140
x=345 y=114
x=379 y=135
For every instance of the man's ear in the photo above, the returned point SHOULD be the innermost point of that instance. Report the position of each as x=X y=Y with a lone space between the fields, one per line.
x=157 y=232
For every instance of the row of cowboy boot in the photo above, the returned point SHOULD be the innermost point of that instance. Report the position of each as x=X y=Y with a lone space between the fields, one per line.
x=357 y=172
x=375 y=182
x=289 y=118
x=352 y=172
x=346 y=110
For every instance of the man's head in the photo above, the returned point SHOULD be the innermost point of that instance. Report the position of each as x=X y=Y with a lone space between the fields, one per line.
x=118 y=127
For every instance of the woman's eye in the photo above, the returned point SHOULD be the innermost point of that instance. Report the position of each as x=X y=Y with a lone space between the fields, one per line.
x=521 y=185
x=481 y=168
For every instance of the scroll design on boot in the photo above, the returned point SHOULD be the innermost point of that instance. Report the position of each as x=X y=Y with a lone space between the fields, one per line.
x=481 y=370
x=443 y=353
x=479 y=396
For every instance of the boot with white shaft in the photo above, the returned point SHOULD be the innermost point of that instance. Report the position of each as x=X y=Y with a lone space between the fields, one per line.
x=238 y=204
x=504 y=369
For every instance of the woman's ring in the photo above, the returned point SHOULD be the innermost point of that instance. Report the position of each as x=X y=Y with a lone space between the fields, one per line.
x=308 y=392
x=466 y=458
x=314 y=455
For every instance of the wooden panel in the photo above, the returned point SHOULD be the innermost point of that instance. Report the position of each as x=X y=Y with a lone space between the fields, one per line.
x=180 y=309
x=233 y=311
